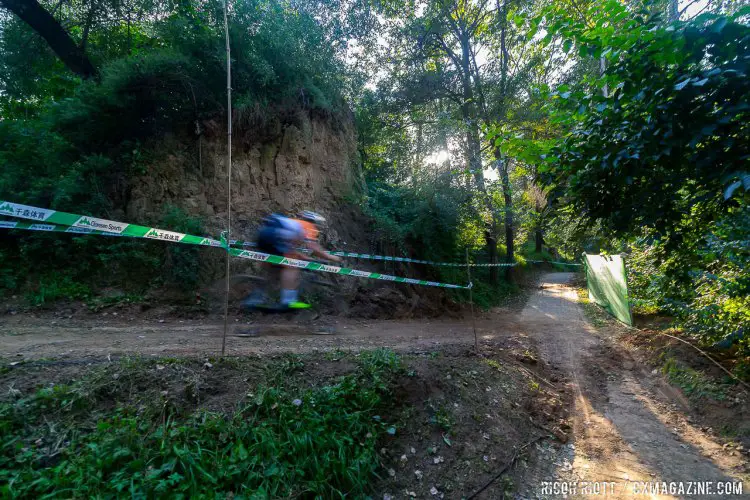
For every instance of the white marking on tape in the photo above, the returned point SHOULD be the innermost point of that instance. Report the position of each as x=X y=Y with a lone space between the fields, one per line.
x=8 y=224
x=359 y=273
x=329 y=269
x=109 y=226
x=254 y=255
x=24 y=211
x=42 y=227
x=295 y=263
x=158 y=234
x=79 y=230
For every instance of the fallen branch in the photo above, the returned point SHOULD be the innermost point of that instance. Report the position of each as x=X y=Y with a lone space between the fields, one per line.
x=732 y=375
x=531 y=374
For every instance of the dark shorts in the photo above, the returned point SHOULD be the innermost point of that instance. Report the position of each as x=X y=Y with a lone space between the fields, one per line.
x=271 y=240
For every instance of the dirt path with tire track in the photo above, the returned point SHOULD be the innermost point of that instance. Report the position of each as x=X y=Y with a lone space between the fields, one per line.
x=626 y=427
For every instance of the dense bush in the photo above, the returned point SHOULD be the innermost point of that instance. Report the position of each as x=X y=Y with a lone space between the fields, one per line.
x=706 y=289
x=656 y=155
x=73 y=146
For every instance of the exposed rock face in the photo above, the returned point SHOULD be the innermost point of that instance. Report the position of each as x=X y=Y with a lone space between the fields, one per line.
x=309 y=164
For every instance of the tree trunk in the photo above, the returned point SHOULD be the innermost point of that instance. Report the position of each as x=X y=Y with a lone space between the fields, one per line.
x=48 y=28
x=508 y=198
x=491 y=240
x=417 y=166
x=673 y=10
x=539 y=240
x=474 y=147
x=539 y=230
x=87 y=27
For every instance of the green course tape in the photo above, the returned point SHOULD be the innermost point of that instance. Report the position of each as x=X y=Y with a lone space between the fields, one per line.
x=52 y=220
x=5 y=224
x=57 y=228
x=554 y=262
x=415 y=261
x=388 y=258
x=316 y=266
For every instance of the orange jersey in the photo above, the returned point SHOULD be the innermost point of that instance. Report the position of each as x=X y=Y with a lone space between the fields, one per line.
x=311 y=230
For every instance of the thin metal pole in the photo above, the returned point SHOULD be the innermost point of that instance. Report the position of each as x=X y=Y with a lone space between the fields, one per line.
x=229 y=179
x=471 y=302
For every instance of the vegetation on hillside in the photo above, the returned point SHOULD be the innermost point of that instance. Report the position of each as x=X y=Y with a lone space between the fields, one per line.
x=536 y=127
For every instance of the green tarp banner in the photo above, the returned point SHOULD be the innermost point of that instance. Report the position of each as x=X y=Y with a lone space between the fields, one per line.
x=608 y=285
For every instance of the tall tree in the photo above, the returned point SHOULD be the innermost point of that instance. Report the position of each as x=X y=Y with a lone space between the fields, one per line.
x=45 y=24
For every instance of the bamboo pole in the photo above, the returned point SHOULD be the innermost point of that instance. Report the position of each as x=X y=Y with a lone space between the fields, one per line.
x=471 y=302
x=229 y=178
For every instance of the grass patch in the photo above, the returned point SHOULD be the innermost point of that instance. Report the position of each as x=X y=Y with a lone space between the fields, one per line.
x=594 y=314
x=53 y=287
x=693 y=383
x=90 y=439
x=96 y=304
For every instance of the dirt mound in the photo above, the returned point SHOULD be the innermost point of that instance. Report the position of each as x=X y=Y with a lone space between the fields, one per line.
x=466 y=419
x=372 y=302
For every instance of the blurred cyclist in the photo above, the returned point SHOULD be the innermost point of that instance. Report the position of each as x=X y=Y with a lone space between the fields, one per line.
x=280 y=235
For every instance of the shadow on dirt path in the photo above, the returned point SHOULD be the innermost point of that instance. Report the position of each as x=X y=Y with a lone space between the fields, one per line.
x=624 y=432
x=626 y=423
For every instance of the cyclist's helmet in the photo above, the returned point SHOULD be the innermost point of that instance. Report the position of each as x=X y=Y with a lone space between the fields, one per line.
x=313 y=217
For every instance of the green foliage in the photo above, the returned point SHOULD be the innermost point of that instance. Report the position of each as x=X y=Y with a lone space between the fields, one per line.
x=51 y=287
x=705 y=286
x=405 y=216
x=656 y=152
x=487 y=296
x=281 y=442
x=182 y=262
x=675 y=118
x=694 y=383
x=75 y=146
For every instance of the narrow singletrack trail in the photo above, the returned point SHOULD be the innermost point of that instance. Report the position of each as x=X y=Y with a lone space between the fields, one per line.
x=625 y=427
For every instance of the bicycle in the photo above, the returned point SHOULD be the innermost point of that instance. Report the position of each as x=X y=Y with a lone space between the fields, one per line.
x=244 y=284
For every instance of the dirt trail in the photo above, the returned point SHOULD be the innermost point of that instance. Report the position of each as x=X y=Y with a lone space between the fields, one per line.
x=627 y=424
x=625 y=427
x=98 y=336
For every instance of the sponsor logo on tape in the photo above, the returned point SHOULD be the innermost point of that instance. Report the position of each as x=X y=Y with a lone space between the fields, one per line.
x=254 y=255
x=329 y=269
x=359 y=273
x=25 y=211
x=158 y=234
x=80 y=230
x=210 y=242
x=101 y=224
x=42 y=227
x=295 y=263
x=387 y=277
x=7 y=224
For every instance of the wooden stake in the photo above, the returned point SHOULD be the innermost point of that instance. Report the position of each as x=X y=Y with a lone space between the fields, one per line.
x=229 y=178
x=471 y=302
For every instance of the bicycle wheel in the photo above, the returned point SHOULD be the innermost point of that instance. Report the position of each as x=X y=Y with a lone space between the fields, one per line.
x=240 y=286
